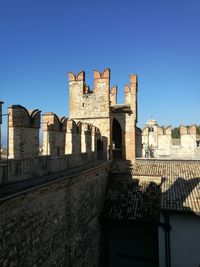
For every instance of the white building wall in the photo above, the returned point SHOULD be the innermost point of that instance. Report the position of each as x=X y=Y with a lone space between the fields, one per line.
x=161 y=140
x=188 y=144
x=184 y=241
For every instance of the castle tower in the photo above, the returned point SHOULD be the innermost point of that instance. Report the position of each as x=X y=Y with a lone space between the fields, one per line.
x=117 y=123
x=93 y=106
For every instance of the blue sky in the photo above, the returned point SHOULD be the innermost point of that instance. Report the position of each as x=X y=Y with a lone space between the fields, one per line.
x=41 y=40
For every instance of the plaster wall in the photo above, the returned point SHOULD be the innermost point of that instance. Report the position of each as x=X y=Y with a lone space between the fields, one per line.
x=184 y=241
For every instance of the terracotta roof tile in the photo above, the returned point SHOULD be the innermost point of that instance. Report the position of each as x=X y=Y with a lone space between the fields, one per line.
x=178 y=190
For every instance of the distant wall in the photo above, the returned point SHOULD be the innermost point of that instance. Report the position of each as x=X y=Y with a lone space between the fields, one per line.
x=165 y=146
x=56 y=224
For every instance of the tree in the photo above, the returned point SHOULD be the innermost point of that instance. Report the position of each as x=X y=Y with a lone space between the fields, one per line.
x=176 y=133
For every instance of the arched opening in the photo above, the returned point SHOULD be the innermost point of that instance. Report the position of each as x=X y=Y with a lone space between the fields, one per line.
x=99 y=149
x=116 y=140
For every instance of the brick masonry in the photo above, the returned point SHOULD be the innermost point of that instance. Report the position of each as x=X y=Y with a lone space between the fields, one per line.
x=54 y=225
x=99 y=107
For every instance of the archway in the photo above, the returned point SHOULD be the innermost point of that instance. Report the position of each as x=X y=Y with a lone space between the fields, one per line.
x=99 y=149
x=116 y=140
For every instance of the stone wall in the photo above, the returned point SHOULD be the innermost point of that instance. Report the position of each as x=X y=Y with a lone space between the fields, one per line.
x=60 y=135
x=96 y=107
x=15 y=170
x=53 y=135
x=56 y=224
x=92 y=106
x=163 y=144
x=23 y=132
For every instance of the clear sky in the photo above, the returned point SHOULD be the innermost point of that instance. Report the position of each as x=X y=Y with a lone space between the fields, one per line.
x=41 y=40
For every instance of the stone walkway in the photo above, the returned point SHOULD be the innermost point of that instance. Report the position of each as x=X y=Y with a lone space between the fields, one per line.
x=17 y=187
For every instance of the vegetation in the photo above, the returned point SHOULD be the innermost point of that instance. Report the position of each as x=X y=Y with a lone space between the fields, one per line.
x=198 y=130
x=176 y=133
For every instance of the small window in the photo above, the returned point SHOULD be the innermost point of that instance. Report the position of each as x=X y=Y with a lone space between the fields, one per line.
x=198 y=143
x=151 y=129
x=82 y=104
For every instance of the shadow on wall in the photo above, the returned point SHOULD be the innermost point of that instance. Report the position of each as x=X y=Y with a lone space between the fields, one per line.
x=118 y=145
x=138 y=142
x=179 y=194
x=131 y=207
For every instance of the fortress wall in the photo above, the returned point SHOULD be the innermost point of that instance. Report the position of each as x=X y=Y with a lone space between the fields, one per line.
x=164 y=145
x=60 y=135
x=92 y=107
x=15 y=170
x=24 y=128
x=113 y=95
x=130 y=136
x=164 y=142
x=85 y=103
x=104 y=127
x=86 y=138
x=72 y=137
x=56 y=224
x=53 y=135
x=131 y=119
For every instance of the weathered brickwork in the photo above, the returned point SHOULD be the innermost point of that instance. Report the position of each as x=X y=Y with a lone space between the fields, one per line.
x=60 y=135
x=88 y=108
x=99 y=107
x=53 y=135
x=55 y=225
x=23 y=132
x=15 y=170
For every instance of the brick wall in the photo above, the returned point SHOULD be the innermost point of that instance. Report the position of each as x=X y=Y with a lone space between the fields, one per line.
x=54 y=225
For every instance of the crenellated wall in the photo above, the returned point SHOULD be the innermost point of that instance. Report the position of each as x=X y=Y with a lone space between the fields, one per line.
x=60 y=135
x=88 y=108
x=53 y=135
x=92 y=106
x=163 y=144
x=72 y=137
x=24 y=128
x=99 y=107
x=126 y=115
x=23 y=169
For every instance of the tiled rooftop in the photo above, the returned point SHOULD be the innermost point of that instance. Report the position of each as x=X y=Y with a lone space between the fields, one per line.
x=131 y=200
x=139 y=197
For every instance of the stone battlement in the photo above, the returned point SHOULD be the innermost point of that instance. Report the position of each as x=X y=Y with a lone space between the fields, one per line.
x=60 y=135
x=95 y=118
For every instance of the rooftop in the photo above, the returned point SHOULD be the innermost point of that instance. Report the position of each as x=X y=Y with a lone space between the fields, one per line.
x=145 y=188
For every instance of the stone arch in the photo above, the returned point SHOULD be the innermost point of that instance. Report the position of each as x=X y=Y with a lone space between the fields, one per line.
x=116 y=139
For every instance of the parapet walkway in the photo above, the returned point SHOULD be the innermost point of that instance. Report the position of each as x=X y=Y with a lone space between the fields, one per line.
x=13 y=189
